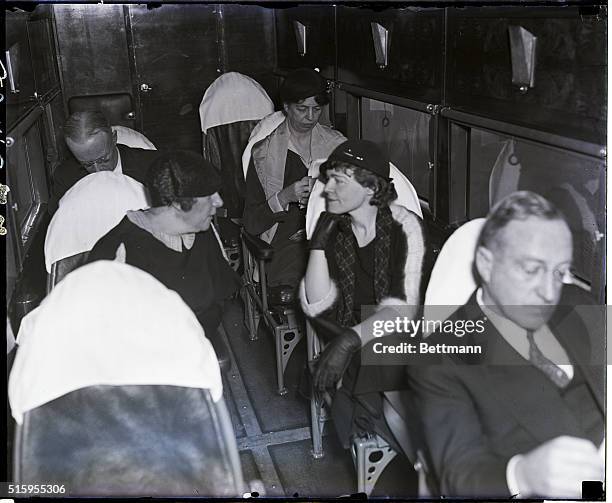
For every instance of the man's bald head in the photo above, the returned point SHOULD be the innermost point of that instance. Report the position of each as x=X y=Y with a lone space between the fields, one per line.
x=82 y=125
x=91 y=140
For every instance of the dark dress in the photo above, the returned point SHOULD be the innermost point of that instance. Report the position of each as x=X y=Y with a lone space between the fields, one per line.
x=200 y=275
x=288 y=265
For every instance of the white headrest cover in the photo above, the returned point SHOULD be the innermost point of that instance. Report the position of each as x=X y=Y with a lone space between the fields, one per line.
x=109 y=323
x=91 y=208
x=233 y=97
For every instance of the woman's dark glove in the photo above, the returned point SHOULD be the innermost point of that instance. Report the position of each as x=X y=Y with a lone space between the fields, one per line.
x=335 y=358
x=324 y=230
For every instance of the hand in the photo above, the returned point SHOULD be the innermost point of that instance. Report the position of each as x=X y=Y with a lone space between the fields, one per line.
x=557 y=468
x=325 y=227
x=335 y=358
x=295 y=192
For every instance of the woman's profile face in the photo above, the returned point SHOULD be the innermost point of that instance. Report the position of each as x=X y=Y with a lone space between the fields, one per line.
x=303 y=115
x=199 y=217
x=343 y=193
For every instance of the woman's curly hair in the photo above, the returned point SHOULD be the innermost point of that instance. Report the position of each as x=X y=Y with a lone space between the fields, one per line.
x=384 y=190
x=174 y=175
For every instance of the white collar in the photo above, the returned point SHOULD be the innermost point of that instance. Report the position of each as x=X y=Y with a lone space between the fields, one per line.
x=173 y=241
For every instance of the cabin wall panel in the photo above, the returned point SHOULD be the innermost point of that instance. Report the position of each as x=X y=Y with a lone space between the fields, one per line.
x=44 y=62
x=92 y=49
x=248 y=42
x=176 y=53
x=19 y=101
x=27 y=176
x=415 y=57
x=54 y=119
x=320 y=39
x=569 y=97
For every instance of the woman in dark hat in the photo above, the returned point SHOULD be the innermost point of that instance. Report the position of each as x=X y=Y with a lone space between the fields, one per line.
x=282 y=149
x=365 y=251
x=174 y=240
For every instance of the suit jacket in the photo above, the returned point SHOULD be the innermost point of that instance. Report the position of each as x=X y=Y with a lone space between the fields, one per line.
x=479 y=411
x=135 y=162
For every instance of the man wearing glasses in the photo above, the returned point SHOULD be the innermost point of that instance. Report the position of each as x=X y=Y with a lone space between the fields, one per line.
x=525 y=418
x=94 y=148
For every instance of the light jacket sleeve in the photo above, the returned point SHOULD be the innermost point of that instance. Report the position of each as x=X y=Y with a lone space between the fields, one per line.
x=260 y=213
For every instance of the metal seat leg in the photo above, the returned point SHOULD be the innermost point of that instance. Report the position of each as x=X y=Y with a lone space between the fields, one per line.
x=371 y=456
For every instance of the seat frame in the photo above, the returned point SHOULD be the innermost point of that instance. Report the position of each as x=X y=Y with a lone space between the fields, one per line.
x=222 y=420
x=283 y=321
x=365 y=450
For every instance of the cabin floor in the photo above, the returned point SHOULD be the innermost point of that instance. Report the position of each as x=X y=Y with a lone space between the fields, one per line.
x=273 y=431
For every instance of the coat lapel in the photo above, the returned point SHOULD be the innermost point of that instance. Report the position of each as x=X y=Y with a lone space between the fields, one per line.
x=519 y=387
x=573 y=334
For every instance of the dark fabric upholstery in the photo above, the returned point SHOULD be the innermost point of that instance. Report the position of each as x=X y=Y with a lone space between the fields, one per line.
x=67 y=265
x=223 y=148
x=128 y=440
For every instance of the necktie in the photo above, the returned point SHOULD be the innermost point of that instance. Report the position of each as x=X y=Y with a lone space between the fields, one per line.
x=554 y=373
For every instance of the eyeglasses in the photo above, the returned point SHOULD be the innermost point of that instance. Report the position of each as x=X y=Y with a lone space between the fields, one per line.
x=99 y=160
x=536 y=271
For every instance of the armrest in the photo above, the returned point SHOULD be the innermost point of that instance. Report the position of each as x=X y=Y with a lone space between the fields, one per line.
x=259 y=248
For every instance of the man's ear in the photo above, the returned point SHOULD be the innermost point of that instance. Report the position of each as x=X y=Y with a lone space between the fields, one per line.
x=286 y=107
x=484 y=263
x=114 y=137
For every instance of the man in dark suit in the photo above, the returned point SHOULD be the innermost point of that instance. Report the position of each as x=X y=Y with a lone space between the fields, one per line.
x=94 y=148
x=525 y=417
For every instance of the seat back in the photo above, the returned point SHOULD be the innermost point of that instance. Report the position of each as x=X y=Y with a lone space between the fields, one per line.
x=233 y=97
x=117 y=391
x=404 y=422
x=223 y=147
x=452 y=280
x=132 y=138
x=91 y=208
x=10 y=338
x=231 y=107
x=406 y=196
x=131 y=441
x=60 y=268
x=505 y=175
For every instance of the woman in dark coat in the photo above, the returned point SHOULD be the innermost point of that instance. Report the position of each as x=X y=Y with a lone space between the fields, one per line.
x=174 y=240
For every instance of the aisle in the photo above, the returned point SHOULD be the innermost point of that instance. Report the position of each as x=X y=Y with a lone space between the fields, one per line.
x=273 y=431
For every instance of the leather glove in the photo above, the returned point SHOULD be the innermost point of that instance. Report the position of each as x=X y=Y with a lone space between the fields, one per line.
x=323 y=231
x=336 y=357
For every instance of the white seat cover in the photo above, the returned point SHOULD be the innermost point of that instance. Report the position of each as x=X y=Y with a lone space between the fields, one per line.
x=109 y=323
x=452 y=281
x=91 y=208
x=233 y=97
x=132 y=138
